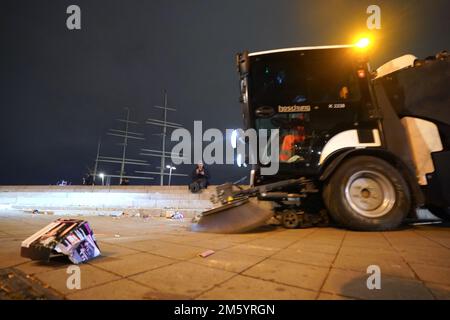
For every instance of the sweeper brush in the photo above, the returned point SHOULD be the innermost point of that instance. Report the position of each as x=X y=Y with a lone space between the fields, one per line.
x=234 y=217
x=241 y=210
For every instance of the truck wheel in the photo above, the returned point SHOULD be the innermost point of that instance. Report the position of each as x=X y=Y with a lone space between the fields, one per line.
x=442 y=213
x=290 y=219
x=367 y=193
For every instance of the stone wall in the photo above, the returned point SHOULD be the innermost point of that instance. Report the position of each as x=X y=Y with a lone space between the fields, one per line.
x=100 y=199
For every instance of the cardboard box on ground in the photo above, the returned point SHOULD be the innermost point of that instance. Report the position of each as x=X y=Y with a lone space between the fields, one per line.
x=70 y=237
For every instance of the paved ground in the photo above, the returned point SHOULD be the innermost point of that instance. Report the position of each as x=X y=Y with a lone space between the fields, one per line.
x=158 y=259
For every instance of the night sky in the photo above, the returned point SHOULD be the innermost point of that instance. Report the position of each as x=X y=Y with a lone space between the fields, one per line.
x=61 y=90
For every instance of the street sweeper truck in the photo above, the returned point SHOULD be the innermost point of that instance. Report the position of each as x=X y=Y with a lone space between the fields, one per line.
x=363 y=147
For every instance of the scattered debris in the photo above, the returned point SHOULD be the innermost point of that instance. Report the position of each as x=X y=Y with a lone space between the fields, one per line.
x=177 y=215
x=171 y=214
x=70 y=237
x=46 y=212
x=168 y=214
x=206 y=253
x=131 y=213
x=115 y=214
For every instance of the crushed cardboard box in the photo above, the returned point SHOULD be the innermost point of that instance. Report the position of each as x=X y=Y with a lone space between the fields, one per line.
x=70 y=237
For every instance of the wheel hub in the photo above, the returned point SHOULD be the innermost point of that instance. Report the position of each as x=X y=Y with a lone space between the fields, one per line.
x=290 y=220
x=370 y=193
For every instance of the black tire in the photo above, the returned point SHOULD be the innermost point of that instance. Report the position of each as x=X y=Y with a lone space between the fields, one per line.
x=442 y=213
x=367 y=193
x=290 y=219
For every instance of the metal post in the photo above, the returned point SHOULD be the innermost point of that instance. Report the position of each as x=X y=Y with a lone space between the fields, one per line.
x=96 y=160
x=163 y=159
x=125 y=141
x=170 y=174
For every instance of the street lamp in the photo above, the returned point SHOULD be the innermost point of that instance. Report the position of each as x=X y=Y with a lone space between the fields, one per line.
x=170 y=172
x=102 y=176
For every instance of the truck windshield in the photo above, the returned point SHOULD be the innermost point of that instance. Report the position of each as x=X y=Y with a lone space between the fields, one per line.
x=303 y=77
x=313 y=94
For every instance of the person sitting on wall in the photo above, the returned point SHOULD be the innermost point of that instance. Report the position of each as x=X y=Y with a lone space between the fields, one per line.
x=200 y=178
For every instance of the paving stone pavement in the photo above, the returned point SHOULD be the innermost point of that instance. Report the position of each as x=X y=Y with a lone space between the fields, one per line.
x=158 y=258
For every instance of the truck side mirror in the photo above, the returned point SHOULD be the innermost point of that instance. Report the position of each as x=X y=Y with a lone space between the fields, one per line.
x=242 y=63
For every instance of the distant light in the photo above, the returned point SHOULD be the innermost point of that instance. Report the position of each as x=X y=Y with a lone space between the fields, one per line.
x=363 y=43
x=170 y=167
x=101 y=175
